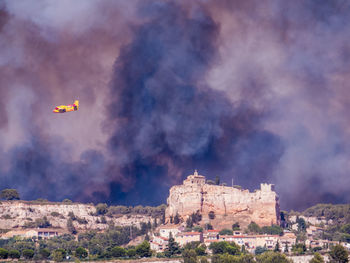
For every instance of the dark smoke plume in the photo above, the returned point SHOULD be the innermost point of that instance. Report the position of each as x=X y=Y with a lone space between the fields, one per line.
x=250 y=90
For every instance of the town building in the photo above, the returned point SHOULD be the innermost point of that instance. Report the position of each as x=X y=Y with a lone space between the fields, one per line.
x=188 y=237
x=39 y=233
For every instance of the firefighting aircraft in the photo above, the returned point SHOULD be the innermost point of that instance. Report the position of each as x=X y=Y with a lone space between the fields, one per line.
x=66 y=108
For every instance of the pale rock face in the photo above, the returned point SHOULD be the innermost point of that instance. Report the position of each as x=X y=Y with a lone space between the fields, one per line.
x=14 y=214
x=229 y=204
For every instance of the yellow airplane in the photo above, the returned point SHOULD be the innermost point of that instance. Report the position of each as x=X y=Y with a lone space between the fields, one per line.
x=66 y=108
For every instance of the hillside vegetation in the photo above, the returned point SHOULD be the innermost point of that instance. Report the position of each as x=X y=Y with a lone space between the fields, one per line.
x=338 y=213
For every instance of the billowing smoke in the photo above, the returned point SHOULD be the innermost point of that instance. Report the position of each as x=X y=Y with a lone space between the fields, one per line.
x=250 y=91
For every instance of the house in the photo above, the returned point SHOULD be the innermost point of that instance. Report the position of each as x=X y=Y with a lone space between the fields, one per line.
x=164 y=231
x=269 y=240
x=287 y=241
x=39 y=233
x=211 y=234
x=318 y=243
x=312 y=231
x=187 y=237
x=248 y=241
x=159 y=243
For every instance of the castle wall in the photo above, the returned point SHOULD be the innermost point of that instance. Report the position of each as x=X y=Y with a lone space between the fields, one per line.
x=229 y=204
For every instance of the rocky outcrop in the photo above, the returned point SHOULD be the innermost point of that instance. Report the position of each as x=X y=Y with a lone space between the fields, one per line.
x=226 y=205
x=18 y=214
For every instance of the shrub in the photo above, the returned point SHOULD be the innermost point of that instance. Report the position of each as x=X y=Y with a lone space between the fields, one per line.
x=317 y=258
x=236 y=226
x=339 y=254
x=144 y=250
x=272 y=257
x=3 y=253
x=101 y=209
x=9 y=194
x=58 y=255
x=211 y=214
x=14 y=253
x=259 y=250
x=81 y=252
x=27 y=253
x=67 y=201
x=189 y=256
x=44 y=253
x=254 y=228
x=82 y=221
x=6 y=216
x=200 y=250
x=71 y=227
x=42 y=222
x=226 y=232
x=131 y=253
x=118 y=252
x=225 y=247
x=55 y=214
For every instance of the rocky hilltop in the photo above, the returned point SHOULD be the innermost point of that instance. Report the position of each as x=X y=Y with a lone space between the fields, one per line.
x=221 y=206
x=22 y=214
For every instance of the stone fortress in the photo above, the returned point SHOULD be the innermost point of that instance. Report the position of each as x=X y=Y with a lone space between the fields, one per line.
x=227 y=204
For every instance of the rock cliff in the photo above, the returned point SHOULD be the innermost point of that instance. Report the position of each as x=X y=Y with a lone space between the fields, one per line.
x=226 y=205
x=18 y=214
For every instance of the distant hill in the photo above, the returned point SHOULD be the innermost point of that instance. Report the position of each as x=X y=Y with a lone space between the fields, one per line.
x=339 y=213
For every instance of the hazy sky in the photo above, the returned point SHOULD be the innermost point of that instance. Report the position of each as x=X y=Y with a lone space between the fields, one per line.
x=257 y=91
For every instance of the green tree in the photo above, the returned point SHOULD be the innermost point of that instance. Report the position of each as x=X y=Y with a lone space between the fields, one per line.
x=101 y=209
x=272 y=230
x=3 y=253
x=189 y=256
x=9 y=194
x=28 y=253
x=42 y=222
x=131 y=252
x=144 y=249
x=338 y=254
x=14 y=253
x=226 y=232
x=225 y=247
x=259 y=250
x=58 y=255
x=173 y=247
x=286 y=249
x=67 y=201
x=317 y=258
x=176 y=219
x=118 y=252
x=71 y=227
x=299 y=248
x=44 y=253
x=254 y=228
x=217 y=180
x=236 y=226
x=301 y=224
x=81 y=252
x=272 y=257
x=277 y=247
x=200 y=250
x=189 y=222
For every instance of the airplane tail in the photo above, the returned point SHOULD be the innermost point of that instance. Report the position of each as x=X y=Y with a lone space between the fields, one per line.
x=76 y=105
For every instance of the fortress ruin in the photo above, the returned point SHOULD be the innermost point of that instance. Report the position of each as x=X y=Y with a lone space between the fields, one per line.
x=228 y=204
